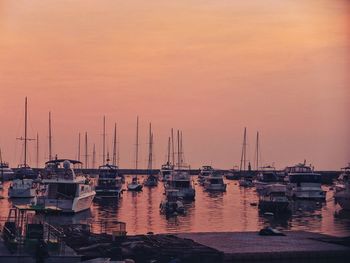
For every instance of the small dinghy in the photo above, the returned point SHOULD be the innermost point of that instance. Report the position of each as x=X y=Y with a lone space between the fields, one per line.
x=134 y=185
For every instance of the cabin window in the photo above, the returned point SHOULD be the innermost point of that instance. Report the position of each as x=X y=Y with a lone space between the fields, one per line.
x=62 y=191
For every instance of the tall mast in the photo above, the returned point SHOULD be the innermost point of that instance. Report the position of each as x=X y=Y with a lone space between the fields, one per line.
x=86 y=150
x=257 y=151
x=50 y=138
x=104 y=140
x=94 y=157
x=172 y=146
x=149 y=166
x=168 y=159
x=137 y=143
x=118 y=156
x=25 y=133
x=243 y=155
x=178 y=149
x=79 y=147
x=114 y=161
x=181 y=151
x=37 y=150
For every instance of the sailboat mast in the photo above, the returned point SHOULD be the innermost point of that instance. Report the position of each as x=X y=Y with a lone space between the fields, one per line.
x=257 y=151
x=79 y=147
x=149 y=166
x=37 y=150
x=168 y=161
x=50 y=138
x=243 y=154
x=25 y=133
x=94 y=157
x=172 y=146
x=114 y=161
x=86 y=150
x=137 y=143
x=181 y=150
x=178 y=149
x=104 y=140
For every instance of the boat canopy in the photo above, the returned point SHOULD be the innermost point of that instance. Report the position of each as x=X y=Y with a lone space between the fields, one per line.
x=57 y=161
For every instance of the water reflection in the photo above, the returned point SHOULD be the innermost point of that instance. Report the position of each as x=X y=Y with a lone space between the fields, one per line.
x=228 y=211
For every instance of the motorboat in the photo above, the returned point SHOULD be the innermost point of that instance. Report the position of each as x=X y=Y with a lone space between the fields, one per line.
x=165 y=171
x=204 y=172
x=6 y=173
x=342 y=192
x=172 y=205
x=266 y=176
x=66 y=190
x=134 y=185
x=214 y=182
x=274 y=199
x=22 y=188
x=304 y=183
x=181 y=181
x=151 y=180
x=246 y=181
x=232 y=174
x=109 y=183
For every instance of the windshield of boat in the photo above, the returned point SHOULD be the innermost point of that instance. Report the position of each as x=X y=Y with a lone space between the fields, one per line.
x=62 y=191
x=305 y=178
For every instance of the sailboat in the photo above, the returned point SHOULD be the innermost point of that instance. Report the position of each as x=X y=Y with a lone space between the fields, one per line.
x=180 y=179
x=23 y=186
x=167 y=168
x=135 y=185
x=246 y=178
x=151 y=180
x=109 y=183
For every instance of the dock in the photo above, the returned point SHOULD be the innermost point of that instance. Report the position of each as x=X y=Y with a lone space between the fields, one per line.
x=295 y=246
x=250 y=247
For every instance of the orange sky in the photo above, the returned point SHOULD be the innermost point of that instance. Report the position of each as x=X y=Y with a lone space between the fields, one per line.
x=208 y=68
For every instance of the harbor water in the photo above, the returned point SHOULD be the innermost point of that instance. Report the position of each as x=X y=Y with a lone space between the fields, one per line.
x=233 y=210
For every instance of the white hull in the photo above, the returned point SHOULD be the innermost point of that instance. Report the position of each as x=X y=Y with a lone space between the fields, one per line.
x=78 y=204
x=305 y=192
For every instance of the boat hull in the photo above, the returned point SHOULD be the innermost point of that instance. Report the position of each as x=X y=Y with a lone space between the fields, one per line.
x=22 y=193
x=215 y=187
x=343 y=199
x=76 y=205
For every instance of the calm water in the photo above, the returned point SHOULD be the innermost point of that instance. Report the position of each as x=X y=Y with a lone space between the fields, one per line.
x=230 y=211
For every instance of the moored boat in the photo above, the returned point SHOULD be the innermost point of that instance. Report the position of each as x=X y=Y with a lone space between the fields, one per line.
x=22 y=188
x=266 y=176
x=342 y=194
x=109 y=183
x=134 y=185
x=274 y=199
x=304 y=183
x=214 y=182
x=181 y=181
x=66 y=190
x=172 y=204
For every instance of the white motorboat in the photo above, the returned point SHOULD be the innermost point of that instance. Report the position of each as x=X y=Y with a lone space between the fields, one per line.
x=304 y=183
x=214 y=182
x=204 y=172
x=274 y=199
x=134 y=185
x=342 y=190
x=264 y=178
x=22 y=188
x=67 y=191
x=181 y=181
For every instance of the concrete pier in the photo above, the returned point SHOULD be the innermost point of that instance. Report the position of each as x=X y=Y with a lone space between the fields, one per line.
x=296 y=246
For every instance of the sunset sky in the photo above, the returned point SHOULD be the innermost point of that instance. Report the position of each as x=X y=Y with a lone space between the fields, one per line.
x=209 y=68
